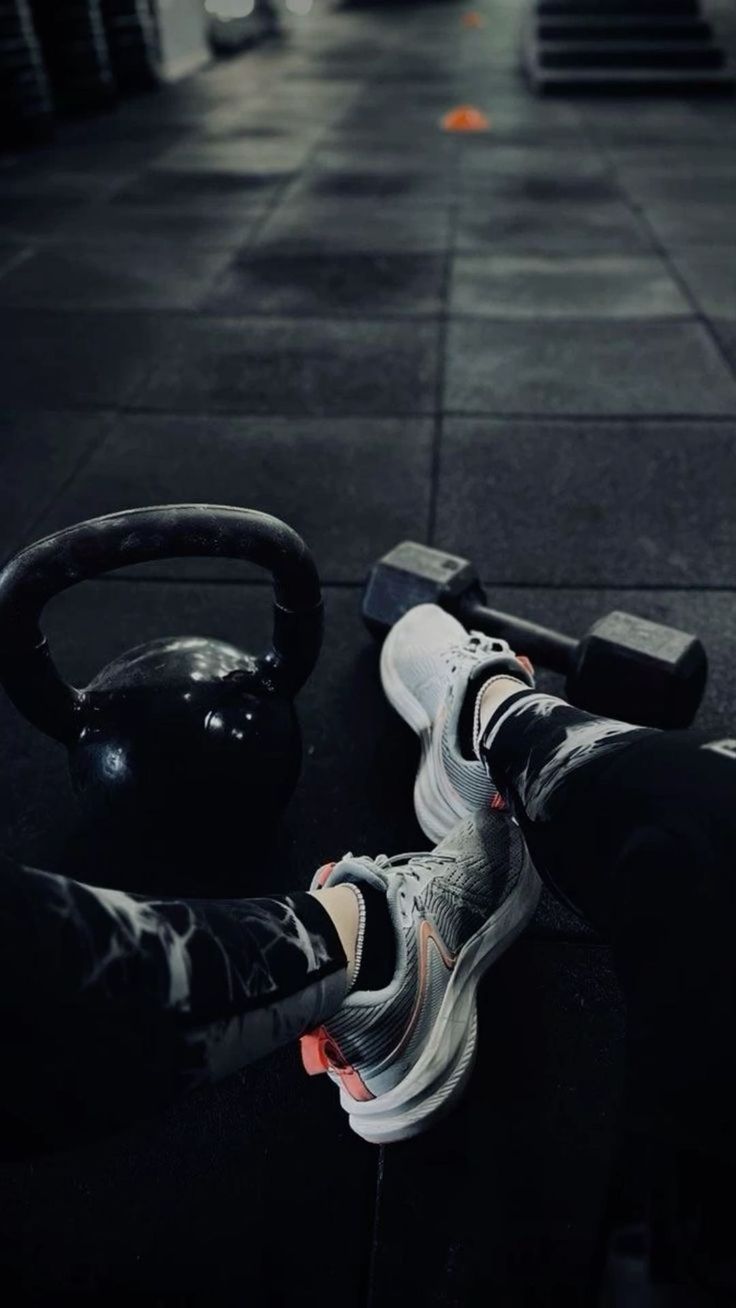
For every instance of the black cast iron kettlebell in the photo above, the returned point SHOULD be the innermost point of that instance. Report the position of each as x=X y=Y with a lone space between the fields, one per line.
x=181 y=730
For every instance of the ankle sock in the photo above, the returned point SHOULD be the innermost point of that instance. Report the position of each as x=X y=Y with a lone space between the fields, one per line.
x=479 y=678
x=376 y=957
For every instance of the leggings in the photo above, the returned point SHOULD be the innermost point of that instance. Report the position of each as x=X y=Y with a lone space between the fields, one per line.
x=636 y=830
x=114 y=1004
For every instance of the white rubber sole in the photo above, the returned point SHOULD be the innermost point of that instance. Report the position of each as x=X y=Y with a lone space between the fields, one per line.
x=438 y=1078
x=437 y=804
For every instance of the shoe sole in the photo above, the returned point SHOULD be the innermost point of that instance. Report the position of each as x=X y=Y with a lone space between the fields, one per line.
x=440 y=1075
x=435 y=812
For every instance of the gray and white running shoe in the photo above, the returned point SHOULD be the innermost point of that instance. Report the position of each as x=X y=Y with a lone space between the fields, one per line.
x=426 y=662
x=402 y=1055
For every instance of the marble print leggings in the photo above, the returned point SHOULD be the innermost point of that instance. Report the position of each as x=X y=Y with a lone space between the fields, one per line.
x=112 y=1004
x=636 y=830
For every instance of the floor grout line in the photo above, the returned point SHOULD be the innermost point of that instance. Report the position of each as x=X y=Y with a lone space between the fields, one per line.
x=506 y=583
x=439 y=393
x=572 y=418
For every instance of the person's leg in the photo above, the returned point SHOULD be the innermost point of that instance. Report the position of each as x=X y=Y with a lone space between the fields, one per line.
x=638 y=828
x=112 y=1004
x=635 y=828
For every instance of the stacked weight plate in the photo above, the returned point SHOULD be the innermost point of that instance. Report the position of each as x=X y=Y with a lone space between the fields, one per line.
x=133 y=43
x=623 y=45
x=74 y=44
x=25 y=97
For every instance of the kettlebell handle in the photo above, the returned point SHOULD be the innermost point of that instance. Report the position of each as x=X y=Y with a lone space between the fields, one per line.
x=80 y=553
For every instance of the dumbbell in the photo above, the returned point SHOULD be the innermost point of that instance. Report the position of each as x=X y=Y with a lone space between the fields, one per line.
x=625 y=667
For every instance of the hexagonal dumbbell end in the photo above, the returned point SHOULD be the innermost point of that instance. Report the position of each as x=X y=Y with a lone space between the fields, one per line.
x=639 y=671
x=414 y=574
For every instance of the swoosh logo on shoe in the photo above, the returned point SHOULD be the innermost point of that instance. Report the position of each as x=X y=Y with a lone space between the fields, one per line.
x=321 y=1053
x=425 y=933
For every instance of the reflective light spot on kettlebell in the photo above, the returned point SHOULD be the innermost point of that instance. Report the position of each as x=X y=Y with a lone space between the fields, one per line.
x=113 y=765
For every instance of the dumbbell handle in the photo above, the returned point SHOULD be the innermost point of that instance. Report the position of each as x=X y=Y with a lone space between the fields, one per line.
x=540 y=644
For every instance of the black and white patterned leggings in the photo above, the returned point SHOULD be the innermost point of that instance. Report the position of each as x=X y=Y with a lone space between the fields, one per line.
x=113 y=1004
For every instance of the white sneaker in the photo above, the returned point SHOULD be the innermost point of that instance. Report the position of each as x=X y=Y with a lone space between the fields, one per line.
x=426 y=661
x=402 y=1055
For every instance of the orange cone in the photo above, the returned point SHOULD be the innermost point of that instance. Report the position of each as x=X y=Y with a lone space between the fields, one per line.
x=472 y=19
x=465 y=118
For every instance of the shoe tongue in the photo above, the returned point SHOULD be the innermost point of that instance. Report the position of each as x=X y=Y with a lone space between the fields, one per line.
x=358 y=870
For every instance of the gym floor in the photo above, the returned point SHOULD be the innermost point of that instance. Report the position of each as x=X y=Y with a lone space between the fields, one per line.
x=278 y=283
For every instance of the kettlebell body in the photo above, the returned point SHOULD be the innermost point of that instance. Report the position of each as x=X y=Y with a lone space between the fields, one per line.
x=182 y=734
x=184 y=730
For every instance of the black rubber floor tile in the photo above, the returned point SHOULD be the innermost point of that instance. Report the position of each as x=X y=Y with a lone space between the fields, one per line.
x=267 y=158
x=39 y=453
x=354 y=284
x=11 y=252
x=531 y=226
x=667 y=189
x=351 y=487
x=115 y=155
x=291 y=366
x=596 y=286
x=59 y=184
x=133 y=123
x=214 y=227
x=486 y=158
x=725 y=329
x=199 y=190
x=389 y=187
x=590 y=503
x=27 y=216
x=641 y=162
x=504 y=1201
x=403 y=140
x=693 y=221
x=116 y=274
x=158 y=1210
x=688 y=133
x=708 y=614
x=383 y=158
x=592 y=367
x=353 y=225
x=710 y=277
x=58 y=360
x=526 y=191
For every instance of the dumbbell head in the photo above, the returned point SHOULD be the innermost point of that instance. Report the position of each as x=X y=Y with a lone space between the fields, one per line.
x=415 y=574
x=628 y=667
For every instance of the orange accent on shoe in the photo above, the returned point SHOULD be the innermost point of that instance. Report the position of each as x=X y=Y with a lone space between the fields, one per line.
x=312 y=1045
x=323 y=873
x=321 y=1054
x=525 y=663
x=498 y=801
x=466 y=118
x=472 y=19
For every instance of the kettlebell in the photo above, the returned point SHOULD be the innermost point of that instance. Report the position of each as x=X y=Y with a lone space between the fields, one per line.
x=180 y=733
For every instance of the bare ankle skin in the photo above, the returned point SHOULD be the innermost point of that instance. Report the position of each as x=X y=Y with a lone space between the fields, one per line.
x=341 y=903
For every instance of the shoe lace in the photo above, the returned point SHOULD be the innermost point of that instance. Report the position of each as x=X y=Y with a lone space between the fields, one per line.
x=411 y=863
x=476 y=643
